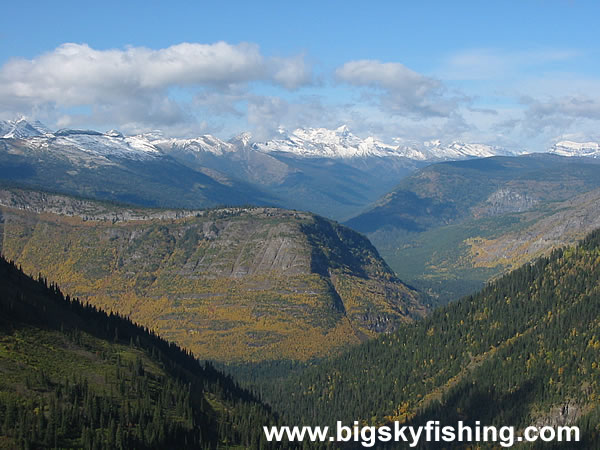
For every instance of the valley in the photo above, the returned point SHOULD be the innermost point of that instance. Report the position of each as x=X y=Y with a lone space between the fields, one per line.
x=300 y=225
x=451 y=227
x=329 y=172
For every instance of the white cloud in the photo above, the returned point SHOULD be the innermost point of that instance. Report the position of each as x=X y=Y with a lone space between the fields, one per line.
x=291 y=73
x=133 y=85
x=556 y=116
x=403 y=91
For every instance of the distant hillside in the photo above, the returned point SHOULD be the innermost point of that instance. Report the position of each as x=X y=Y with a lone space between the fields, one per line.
x=113 y=167
x=75 y=377
x=452 y=226
x=523 y=351
x=333 y=173
x=237 y=284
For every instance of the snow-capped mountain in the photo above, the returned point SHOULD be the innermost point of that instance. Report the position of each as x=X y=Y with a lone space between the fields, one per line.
x=111 y=143
x=331 y=172
x=206 y=143
x=115 y=167
x=83 y=145
x=570 y=148
x=437 y=151
x=341 y=143
x=21 y=129
x=324 y=143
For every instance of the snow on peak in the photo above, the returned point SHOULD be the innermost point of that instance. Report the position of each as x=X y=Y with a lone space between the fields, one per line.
x=244 y=138
x=570 y=148
x=201 y=144
x=436 y=150
x=95 y=146
x=325 y=143
x=343 y=130
x=114 y=133
x=21 y=129
x=302 y=142
x=341 y=143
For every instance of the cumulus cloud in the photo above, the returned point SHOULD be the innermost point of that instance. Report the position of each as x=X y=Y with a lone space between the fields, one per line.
x=136 y=82
x=403 y=91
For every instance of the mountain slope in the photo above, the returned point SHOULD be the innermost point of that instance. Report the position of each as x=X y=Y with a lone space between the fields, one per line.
x=21 y=129
x=75 y=377
x=522 y=351
x=113 y=167
x=330 y=172
x=460 y=222
x=230 y=284
x=323 y=182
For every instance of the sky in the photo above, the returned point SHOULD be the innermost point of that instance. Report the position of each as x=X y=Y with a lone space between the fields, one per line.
x=518 y=74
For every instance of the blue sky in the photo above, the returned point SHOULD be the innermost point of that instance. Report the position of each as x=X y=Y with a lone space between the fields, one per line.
x=514 y=73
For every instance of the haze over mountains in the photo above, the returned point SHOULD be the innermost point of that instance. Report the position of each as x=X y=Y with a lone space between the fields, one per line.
x=330 y=172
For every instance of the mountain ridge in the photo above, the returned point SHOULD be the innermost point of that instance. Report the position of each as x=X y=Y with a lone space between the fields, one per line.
x=302 y=142
x=230 y=284
x=576 y=149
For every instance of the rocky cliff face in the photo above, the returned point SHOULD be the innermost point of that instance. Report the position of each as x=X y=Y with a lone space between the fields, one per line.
x=229 y=284
x=555 y=226
x=503 y=201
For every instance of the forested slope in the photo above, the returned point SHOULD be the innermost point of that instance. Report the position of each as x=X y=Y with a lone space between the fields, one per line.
x=525 y=350
x=73 y=376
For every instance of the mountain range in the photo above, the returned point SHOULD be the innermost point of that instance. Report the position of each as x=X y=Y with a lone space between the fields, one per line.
x=329 y=172
x=403 y=195
x=570 y=148
x=301 y=309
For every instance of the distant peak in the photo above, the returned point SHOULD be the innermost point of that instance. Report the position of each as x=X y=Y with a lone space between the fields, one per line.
x=114 y=133
x=343 y=130
x=21 y=128
x=572 y=148
x=244 y=138
x=433 y=143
